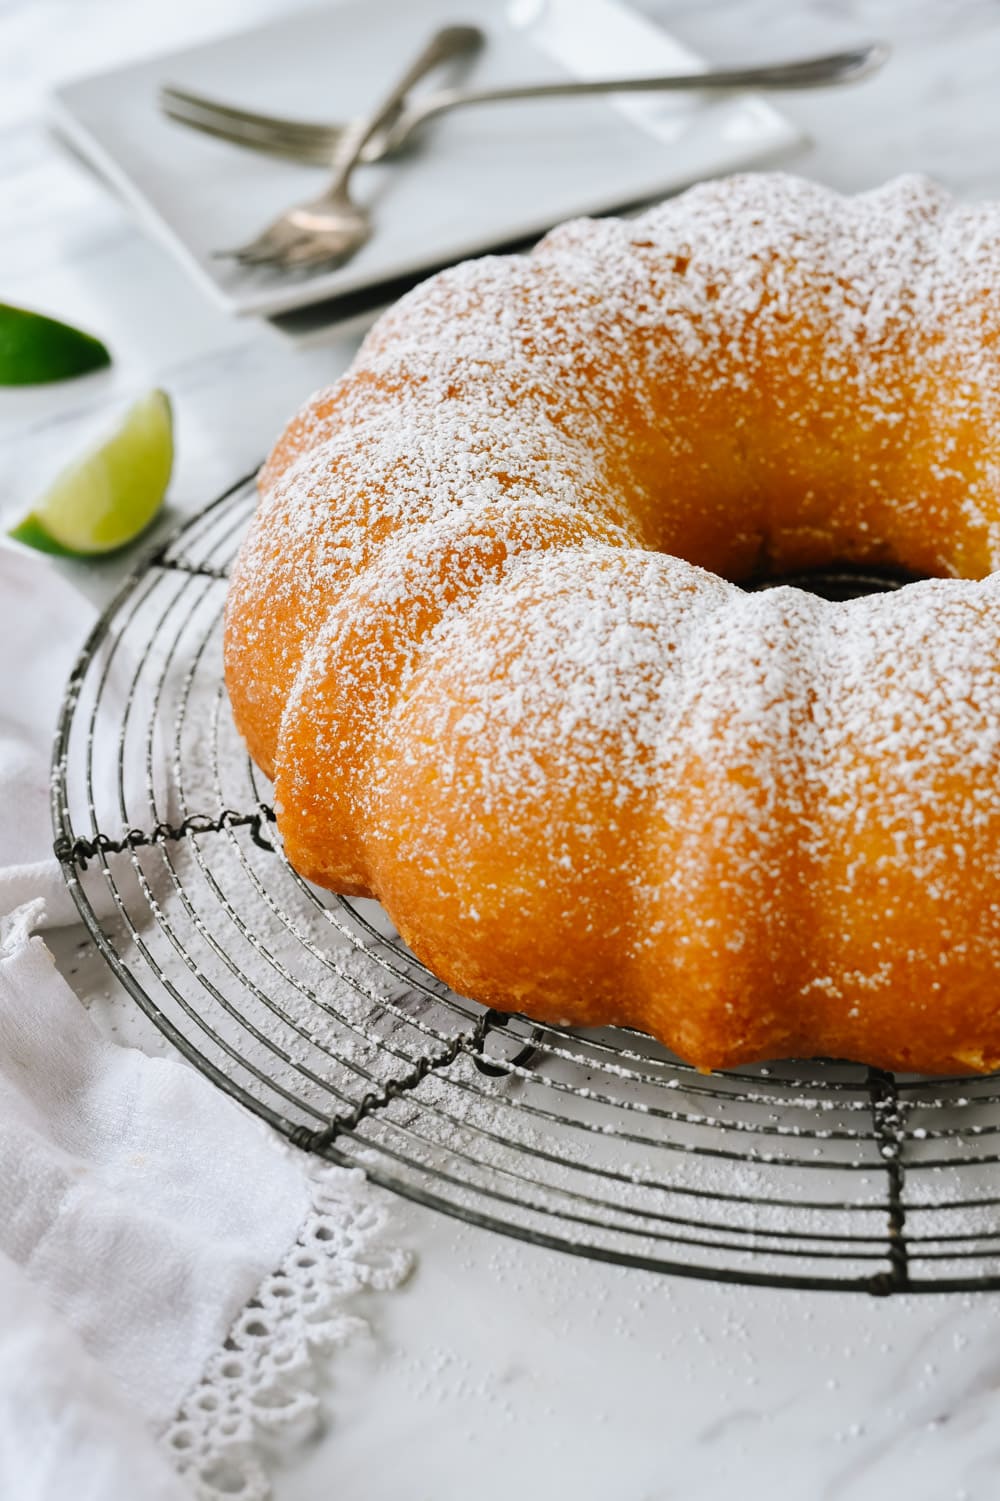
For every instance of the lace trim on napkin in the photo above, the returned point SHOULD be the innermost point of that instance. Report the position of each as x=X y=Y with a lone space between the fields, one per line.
x=260 y=1389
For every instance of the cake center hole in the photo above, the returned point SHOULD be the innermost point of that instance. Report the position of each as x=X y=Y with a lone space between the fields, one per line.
x=841 y=581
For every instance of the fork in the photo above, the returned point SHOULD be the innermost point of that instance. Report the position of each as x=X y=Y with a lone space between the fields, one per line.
x=332 y=227
x=316 y=143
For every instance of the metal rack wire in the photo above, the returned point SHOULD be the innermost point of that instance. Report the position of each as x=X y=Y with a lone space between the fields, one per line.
x=308 y=1008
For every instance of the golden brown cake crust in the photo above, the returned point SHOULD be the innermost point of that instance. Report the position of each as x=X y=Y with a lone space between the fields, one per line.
x=484 y=631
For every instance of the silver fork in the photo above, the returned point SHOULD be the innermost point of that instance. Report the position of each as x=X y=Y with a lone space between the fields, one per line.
x=332 y=227
x=315 y=143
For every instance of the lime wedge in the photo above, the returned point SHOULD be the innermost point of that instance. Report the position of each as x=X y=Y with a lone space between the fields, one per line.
x=35 y=349
x=110 y=495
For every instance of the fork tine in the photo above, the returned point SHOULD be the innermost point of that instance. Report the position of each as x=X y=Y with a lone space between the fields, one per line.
x=278 y=125
x=250 y=254
x=317 y=149
x=257 y=253
x=238 y=135
x=310 y=252
x=272 y=246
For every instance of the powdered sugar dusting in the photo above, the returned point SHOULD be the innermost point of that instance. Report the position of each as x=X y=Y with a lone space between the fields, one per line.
x=464 y=612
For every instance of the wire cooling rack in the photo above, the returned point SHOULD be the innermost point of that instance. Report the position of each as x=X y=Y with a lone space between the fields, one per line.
x=308 y=1008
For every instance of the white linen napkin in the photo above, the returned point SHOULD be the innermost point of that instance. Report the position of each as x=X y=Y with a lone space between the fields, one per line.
x=43 y=622
x=140 y=1208
x=65 y=1428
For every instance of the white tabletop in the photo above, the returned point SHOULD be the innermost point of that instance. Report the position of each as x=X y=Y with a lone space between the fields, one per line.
x=503 y=1369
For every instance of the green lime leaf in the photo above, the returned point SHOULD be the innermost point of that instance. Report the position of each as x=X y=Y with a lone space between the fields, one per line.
x=109 y=496
x=35 y=349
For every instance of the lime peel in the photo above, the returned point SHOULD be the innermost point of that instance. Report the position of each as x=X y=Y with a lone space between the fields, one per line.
x=35 y=349
x=107 y=498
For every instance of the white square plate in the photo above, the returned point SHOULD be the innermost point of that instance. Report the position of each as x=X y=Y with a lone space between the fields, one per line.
x=482 y=177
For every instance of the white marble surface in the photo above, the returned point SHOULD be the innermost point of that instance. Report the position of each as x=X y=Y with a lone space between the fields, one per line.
x=503 y=1369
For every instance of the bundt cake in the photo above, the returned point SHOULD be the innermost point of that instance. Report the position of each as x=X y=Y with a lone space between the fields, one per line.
x=486 y=631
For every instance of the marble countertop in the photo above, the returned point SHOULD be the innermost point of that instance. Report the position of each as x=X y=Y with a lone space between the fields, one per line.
x=502 y=1368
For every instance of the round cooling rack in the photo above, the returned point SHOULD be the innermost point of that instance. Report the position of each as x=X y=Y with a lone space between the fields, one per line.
x=308 y=1008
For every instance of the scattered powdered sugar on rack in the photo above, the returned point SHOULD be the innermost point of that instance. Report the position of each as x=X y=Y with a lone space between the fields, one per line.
x=497 y=697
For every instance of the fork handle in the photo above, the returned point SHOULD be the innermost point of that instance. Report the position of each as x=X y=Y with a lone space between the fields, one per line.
x=849 y=66
x=447 y=43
